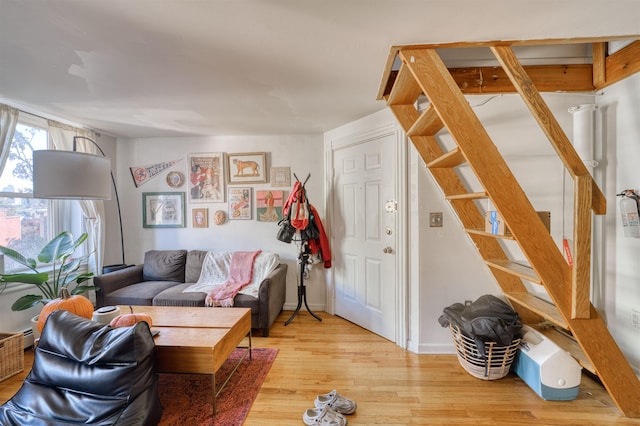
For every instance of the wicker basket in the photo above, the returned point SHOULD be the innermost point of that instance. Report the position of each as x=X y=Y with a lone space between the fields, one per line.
x=11 y=354
x=494 y=366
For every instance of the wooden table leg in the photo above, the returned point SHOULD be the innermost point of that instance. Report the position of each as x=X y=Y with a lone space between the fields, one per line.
x=213 y=385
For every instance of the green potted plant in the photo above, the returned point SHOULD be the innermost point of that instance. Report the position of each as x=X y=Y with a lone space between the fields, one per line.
x=57 y=253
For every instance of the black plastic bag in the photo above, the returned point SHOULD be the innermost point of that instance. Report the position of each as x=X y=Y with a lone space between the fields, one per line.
x=488 y=319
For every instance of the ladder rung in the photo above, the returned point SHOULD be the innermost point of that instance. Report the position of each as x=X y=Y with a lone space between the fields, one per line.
x=539 y=306
x=428 y=124
x=405 y=90
x=522 y=271
x=468 y=196
x=451 y=159
x=488 y=234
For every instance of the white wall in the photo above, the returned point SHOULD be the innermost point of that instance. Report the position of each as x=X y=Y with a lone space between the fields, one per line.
x=303 y=153
x=620 y=130
x=16 y=321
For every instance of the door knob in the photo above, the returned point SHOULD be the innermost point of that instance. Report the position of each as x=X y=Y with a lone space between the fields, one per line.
x=387 y=250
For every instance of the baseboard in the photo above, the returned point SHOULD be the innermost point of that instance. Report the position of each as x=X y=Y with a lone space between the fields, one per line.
x=436 y=349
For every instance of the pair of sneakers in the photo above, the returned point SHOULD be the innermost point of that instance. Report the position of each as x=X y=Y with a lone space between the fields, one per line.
x=329 y=410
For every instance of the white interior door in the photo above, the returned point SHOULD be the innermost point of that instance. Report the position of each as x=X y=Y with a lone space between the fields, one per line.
x=365 y=223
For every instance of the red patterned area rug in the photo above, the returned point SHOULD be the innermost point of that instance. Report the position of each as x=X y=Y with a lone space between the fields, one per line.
x=186 y=398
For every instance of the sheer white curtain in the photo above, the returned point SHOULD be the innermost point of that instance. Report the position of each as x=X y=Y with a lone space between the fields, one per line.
x=93 y=210
x=8 y=121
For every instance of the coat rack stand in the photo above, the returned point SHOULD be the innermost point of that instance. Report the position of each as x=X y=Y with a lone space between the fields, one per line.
x=303 y=257
x=303 y=260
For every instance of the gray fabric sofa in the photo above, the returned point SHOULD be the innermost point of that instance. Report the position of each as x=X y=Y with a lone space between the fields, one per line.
x=163 y=276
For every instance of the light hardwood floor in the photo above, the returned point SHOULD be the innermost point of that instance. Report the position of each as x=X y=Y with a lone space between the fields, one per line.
x=393 y=386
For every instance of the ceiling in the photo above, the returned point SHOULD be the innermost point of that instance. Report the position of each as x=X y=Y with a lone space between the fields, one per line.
x=164 y=68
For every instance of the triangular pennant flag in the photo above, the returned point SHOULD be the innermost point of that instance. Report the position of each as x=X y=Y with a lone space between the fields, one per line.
x=141 y=174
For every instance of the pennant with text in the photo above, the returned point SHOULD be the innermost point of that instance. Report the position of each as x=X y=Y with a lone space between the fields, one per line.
x=142 y=174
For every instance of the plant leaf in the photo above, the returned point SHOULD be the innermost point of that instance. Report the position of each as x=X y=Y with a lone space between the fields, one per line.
x=82 y=288
x=84 y=277
x=35 y=279
x=79 y=278
x=17 y=257
x=71 y=266
x=26 y=302
x=81 y=239
x=60 y=246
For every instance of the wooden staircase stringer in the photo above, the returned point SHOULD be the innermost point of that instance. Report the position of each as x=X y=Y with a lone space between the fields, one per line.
x=489 y=167
x=467 y=211
x=549 y=125
x=491 y=170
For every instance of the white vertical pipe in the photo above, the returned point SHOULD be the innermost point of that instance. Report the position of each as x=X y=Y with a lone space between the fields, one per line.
x=584 y=133
x=584 y=143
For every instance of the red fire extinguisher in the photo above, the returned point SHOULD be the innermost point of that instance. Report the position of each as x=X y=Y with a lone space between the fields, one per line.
x=630 y=211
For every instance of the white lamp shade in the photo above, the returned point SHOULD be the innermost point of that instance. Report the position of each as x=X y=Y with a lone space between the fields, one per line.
x=71 y=175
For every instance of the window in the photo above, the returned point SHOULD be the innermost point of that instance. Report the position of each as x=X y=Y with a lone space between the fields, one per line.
x=27 y=223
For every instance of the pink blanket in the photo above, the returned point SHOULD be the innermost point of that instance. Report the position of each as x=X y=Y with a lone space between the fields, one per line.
x=240 y=275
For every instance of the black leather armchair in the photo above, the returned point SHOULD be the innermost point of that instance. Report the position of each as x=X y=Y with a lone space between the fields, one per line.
x=87 y=373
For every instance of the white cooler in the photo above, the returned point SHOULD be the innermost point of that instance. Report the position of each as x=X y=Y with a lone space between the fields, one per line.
x=551 y=372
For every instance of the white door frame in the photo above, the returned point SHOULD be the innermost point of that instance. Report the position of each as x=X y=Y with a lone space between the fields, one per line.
x=401 y=257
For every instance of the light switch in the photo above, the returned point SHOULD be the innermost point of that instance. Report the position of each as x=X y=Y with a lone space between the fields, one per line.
x=435 y=220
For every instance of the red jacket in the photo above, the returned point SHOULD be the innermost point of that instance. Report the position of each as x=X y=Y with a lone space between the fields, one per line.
x=322 y=243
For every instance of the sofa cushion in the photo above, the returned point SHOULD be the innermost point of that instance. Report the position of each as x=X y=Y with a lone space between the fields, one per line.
x=138 y=294
x=173 y=296
x=194 y=265
x=164 y=265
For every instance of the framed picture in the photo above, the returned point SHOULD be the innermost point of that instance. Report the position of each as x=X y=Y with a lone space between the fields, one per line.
x=206 y=177
x=163 y=210
x=269 y=205
x=281 y=176
x=246 y=168
x=240 y=205
x=200 y=218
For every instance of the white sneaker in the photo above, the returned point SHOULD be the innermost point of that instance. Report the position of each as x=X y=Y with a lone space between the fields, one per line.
x=337 y=402
x=323 y=416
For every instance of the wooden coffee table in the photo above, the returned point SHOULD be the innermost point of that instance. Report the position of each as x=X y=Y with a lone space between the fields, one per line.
x=197 y=340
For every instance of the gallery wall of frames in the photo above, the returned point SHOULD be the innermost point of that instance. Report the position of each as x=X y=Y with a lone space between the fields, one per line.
x=213 y=177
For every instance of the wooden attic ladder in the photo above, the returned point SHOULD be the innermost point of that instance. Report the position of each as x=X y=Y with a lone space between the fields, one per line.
x=423 y=72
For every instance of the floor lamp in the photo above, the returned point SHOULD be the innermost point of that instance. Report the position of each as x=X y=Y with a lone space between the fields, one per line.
x=73 y=175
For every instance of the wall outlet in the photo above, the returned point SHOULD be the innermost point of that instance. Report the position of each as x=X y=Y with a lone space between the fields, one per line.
x=635 y=318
